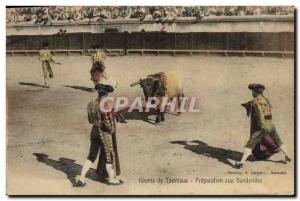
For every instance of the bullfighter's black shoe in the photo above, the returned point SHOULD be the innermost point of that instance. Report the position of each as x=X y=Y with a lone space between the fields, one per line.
x=287 y=159
x=238 y=165
x=80 y=184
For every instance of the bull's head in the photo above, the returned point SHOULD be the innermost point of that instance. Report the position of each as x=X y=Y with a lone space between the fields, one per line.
x=159 y=89
x=147 y=86
x=151 y=87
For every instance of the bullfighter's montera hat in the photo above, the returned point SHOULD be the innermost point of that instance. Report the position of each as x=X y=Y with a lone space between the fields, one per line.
x=103 y=89
x=258 y=88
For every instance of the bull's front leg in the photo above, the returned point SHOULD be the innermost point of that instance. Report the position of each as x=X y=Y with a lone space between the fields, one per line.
x=162 y=116
x=158 y=117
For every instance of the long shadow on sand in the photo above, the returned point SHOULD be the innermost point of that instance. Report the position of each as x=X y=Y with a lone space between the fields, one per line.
x=88 y=89
x=136 y=115
x=33 y=84
x=143 y=116
x=220 y=154
x=67 y=166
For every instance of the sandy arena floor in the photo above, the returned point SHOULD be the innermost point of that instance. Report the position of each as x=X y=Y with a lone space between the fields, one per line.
x=48 y=131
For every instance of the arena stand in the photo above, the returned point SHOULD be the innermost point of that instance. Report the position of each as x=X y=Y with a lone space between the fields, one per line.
x=54 y=14
x=82 y=32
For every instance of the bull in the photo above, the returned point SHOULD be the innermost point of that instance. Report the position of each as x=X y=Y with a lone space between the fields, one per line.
x=159 y=85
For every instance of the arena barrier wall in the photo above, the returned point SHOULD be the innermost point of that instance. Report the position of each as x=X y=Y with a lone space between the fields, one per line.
x=279 y=42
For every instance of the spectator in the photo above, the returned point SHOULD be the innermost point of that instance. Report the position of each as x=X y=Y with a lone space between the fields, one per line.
x=48 y=15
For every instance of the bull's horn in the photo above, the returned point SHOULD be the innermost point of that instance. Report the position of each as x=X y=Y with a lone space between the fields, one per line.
x=135 y=83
